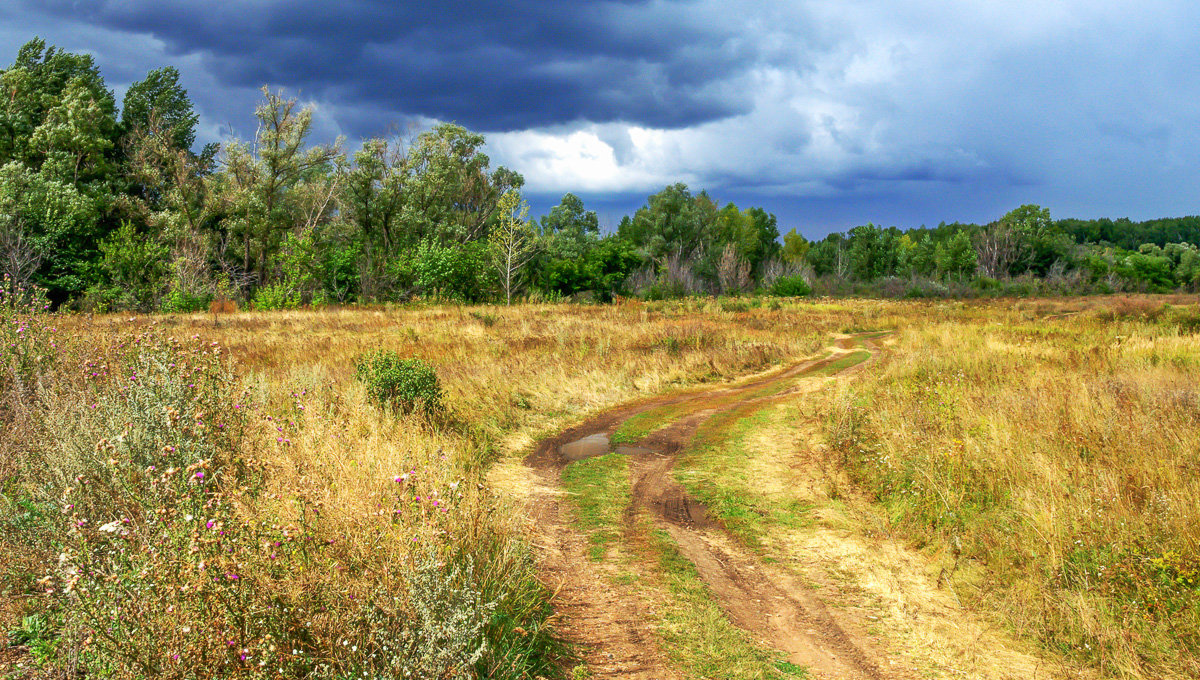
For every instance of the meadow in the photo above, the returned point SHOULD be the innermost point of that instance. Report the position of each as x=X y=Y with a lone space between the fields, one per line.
x=210 y=496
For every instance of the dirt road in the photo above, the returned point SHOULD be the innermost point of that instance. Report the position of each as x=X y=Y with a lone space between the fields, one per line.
x=616 y=638
x=848 y=604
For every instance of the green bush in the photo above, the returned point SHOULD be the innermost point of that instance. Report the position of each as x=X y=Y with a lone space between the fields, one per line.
x=403 y=384
x=276 y=296
x=178 y=301
x=790 y=286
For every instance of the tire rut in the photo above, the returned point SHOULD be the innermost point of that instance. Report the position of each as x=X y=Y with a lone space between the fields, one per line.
x=765 y=601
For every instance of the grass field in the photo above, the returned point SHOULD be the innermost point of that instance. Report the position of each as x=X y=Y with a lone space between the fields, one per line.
x=192 y=496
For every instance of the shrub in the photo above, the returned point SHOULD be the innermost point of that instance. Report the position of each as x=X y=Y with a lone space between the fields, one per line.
x=276 y=296
x=178 y=301
x=402 y=384
x=790 y=286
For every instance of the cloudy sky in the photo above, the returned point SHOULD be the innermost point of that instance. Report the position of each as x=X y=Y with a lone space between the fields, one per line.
x=830 y=113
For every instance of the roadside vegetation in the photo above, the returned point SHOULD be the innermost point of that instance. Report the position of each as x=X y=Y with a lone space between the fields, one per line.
x=306 y=492
x=1053 y=447
x=1040 y=456
x=187 y=499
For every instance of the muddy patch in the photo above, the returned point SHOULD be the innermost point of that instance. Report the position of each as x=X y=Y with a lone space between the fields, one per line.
x=587 y=447
x=597 y=444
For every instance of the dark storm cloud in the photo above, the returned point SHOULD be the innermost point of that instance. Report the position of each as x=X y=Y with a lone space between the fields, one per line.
x=486 y=64
x=830 y=113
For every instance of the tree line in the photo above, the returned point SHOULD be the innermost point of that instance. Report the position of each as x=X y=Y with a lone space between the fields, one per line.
x=114 y=208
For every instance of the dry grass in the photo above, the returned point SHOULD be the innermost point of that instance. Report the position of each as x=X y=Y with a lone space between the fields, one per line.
x=403 y=522
x=1056 y=443
x=1014 y=433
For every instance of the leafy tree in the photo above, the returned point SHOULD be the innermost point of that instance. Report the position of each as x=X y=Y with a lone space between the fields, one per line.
x=450 y=193
x=457 y=271
x=60 y=225
x=873 y=252
x=373 y=196
x=1186 y=258
x=673 y=221
x=160 y=96
x=74 y=138
x=922 y=257
x=795 y=247
x=48 y=83
x=133 y=269
x=568 y=235
x=955 y=257
x=830 y=256
x=1147 y=270
x=512 y=242
x=569 y=230
x=752 y=233
x=277 y=184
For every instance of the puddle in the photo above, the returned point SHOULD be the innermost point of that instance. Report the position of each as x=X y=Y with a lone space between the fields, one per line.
x=591 y=445
x=596 y=445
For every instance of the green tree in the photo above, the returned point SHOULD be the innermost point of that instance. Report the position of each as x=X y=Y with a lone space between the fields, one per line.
x=569 y=230
x=567 y=236
x=133 y=269
x=752 y=233
x=873 y=252
x=795 y=247
x=43 y=80
x=955 y=257
x=450 y=194
x=512 y=242
x=673 y=221
x=277 y=184
x=159 y=95
x=830 y=256
x=58 y=225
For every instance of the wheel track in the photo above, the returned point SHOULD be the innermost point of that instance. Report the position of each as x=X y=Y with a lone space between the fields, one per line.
x=765 y=601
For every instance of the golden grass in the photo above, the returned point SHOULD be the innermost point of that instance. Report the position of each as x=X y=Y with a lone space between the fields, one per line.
x=1061 y=454
x=1015 y=428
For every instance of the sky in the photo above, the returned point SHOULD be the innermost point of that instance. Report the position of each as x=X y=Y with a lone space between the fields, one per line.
x=828 y=113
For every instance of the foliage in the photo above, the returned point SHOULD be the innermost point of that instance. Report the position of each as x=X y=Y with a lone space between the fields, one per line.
x=403 y=384
x=160 y=98
x=134 y=269
x=456 y=272
x=280 y=222
x=790 y=286
x=511 y=244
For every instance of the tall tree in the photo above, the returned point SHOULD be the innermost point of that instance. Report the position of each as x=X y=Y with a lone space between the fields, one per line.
x=58 y=135
x=161 y=95
x=795 y=247
x=512 y=241
x=38 y=83
x=873 y=252
x=451 y=195
x=673 y=222
x=277 y=183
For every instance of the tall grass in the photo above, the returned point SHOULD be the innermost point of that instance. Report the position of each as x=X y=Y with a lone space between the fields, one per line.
x=1056 y=460
x=184 y=497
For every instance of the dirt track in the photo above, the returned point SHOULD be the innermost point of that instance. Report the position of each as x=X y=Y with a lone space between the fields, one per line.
x=609 y=621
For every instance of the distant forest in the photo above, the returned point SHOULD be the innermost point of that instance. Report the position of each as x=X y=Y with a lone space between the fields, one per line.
x=111 y=209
